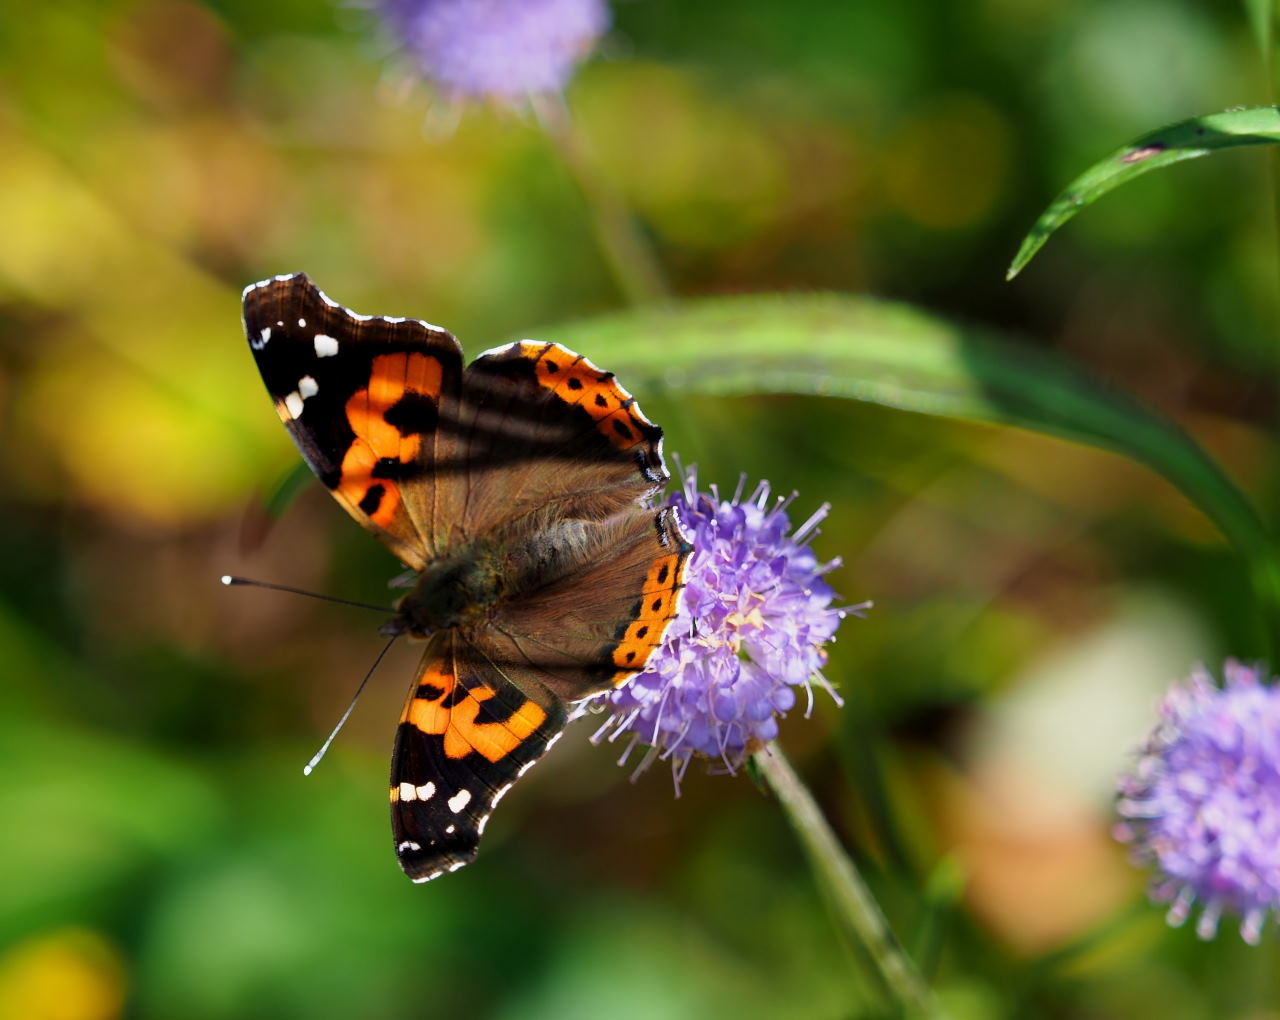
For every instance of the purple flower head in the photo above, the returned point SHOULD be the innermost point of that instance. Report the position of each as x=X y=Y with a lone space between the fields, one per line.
x=1203 y=802
x=751 y=629
x=502 y=50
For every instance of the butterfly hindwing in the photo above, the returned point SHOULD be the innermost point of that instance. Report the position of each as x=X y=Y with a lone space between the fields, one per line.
x=467 y=732
x=363 y=398
x=583 y=646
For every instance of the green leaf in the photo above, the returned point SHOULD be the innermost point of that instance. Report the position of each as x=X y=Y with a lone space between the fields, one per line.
x=1187 y=140
x=863 y=349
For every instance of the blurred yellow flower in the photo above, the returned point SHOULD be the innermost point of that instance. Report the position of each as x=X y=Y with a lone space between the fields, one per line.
x=68 y=974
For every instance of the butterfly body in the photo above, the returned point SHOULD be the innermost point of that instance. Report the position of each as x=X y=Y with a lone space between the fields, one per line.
x=465 y=587
x=515 y=490
x=455 y=590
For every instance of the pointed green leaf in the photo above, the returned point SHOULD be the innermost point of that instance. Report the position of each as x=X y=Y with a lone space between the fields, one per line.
x=1187 y=140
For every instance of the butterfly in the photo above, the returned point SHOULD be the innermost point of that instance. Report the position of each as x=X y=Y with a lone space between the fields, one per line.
x=517 y=492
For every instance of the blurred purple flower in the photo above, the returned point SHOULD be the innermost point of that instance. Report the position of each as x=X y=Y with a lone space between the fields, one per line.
x=1203 y=802
x=502 y=50
x=755 y=616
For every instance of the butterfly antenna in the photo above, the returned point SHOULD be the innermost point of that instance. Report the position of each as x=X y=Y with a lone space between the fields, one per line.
x=232 y=580
x=315 y=758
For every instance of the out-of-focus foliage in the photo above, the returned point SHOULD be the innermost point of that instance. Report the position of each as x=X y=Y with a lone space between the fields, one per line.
x=162 y=854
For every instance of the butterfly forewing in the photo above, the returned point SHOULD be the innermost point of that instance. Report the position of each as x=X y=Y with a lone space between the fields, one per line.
x=547 y=432
x=363 y=398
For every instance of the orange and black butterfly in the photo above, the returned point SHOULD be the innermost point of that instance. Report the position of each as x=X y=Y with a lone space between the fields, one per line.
x=516 y=489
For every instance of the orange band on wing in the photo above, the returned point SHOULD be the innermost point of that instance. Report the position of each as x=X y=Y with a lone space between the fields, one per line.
x=575 y=380
x=458 y=722
x=656 y=609
x=392 y=378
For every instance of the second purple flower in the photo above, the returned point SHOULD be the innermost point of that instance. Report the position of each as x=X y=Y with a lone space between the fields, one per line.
x=501 y=50
x=1202 y=802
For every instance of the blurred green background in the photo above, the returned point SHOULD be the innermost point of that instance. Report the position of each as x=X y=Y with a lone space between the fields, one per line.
x=161 y=854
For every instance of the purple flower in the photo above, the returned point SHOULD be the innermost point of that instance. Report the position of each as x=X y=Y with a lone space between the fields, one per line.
x=755 y=616
x=502 y=50
x=1203 y=802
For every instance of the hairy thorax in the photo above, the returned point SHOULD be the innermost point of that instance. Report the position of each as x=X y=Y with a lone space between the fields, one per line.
x=464 y=585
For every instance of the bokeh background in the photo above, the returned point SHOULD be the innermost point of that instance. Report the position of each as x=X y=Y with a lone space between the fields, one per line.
x=161 y=854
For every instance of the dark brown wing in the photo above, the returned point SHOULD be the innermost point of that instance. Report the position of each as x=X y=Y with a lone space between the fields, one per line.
x=545 y=431
x=363 y=397
x=594 y=629
x=469 y=729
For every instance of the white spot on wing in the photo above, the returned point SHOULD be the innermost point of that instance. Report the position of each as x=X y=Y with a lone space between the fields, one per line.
x=302 y=323
x=426 y=791
x=293 y=404
x=326 y=346
x=408 y=844
x=449 y=830
x=459 y=800
x=308 y=387
x=263 y=337
x=408 y=792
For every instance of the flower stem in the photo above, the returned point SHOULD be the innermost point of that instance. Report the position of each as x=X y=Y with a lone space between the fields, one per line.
x=630 y=257
x=1268 y=28
x=1267 y=573
x=848 y=892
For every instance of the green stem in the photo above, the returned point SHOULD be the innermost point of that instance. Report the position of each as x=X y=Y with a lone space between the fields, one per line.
x=1267 y=574
x=1268 y=45
x=849 y=894
x=630 y=257
x=1266 y=579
